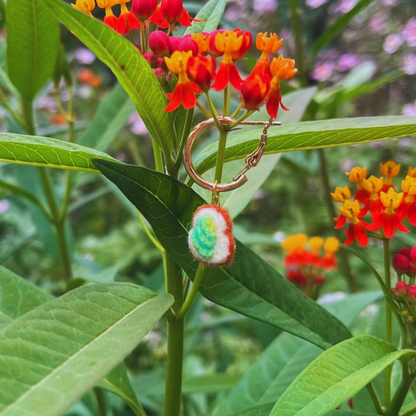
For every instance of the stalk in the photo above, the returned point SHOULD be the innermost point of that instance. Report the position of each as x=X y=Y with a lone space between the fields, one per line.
x=389 y=321
x=401 y=392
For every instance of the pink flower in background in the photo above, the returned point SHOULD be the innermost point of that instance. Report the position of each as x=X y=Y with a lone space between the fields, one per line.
x=47 y=103
x=409 y=64
x=409 y=32
x=378 y=23
x=4 y=206
x=392 y=43
x=344 y=6
x=348 y=61
x=390 y=3
x=136 y=125
x=84 y=56
x=265 y=6
x=313 y=4
x=323 y=71
x=409 y=109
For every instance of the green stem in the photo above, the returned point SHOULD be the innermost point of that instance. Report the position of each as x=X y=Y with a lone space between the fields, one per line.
x=173 y=390
x=220 y=156
x=401 y=392
x=389 y=321
x=206 y=113
x=6 y=105
x=237 y=111
x=227 y=100
x=410 y=411
x=214 y=111
x=297 y=33
x=375 y=399
x=194 y=291
x=344 y=259
x=184 y=138
x=149 y=234
x=246 y=115
x=158 y=157
x=101 y=405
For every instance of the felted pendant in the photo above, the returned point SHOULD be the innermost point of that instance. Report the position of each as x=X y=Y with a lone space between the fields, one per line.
x=211 y=238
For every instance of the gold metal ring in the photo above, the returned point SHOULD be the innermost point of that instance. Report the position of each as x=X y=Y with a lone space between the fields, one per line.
x=251 y=160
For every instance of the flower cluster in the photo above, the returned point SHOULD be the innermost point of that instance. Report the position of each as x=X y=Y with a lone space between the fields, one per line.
x=404 y=263
x=376 y=197
x=187 y=66
x=306 y=261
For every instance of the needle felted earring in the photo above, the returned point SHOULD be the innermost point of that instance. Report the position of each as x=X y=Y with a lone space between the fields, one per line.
x=211 y=238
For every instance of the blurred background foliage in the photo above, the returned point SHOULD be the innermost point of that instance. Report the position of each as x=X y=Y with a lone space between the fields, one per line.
x=367 y=70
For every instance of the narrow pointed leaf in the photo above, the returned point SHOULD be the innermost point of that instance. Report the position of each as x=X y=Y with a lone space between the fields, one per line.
x=53 y=354
x=48 y=153
x=264 y=410
x=210 y=14
x=338 y=374
x=312 y=135
x=249 y=286
x=128 y=65
x=32 y=45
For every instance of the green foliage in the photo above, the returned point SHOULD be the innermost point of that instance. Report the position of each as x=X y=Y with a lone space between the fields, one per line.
x=32 y=45
x=81 y=348
x=249 y=286
x=210 y=15
x=130 y=68
x=312 y=135
x=338 y=374
x=46 y=152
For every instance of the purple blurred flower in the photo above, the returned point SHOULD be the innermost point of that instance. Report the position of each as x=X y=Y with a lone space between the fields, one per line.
x=409 y=109
x=265 y=6
x=84 y=56
x=136 y=125
x=392 y=43
x=347 y=164
x=344 y=6
x=409 y=64
x=378 y=23
x=390 y=3
x=348 y=61
x=84 y=92
x=313 y=4
x=409 y=32
x=47 y=103
x=4 y=206
x=323 y=71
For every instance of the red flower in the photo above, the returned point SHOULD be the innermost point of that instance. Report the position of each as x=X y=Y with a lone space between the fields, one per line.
x=127 y=22
x=144 y=9
x=201 y=69
x=356 y=230
x=254 y=91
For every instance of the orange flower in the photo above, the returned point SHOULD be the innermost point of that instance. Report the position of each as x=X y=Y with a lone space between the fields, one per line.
x=389 y=220
x=202 y=40
x=86 y=6
x=331 y=246
x=408 y=205
x=280 y=68
x=389 y=170
x=201 y=70
x=232 y=45
x=86 y=76
x=357 y=175
x=372 y=186
x=184 y=92
x=254 y=91
x=109 y=19
x=356 y=230
x=411 y=172
x=341 y=194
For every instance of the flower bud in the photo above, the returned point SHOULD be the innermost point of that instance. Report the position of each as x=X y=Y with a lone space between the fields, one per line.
x=160 y=63
x=406 y=252
x=319 y=280
x=159 y=43
x=160 y=74
x=201 y=70
x=175 y=43
x=401 y=290
x=400 y=263
x=211 y=44
x=254 y=91
x=413 y=255
x=189 y=44
x=143 y=9
x=411 y=293
x=150 y=58
x=171 y=10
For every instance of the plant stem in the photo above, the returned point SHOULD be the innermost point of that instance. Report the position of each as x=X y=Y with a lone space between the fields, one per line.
x=173 y=389
x=158 y=157
x=345 y=263
x=203 y=111
x=184 y=138
x=389 y=323
x=194 y=291
x=99 y=396
x=297 y=33
x=214 y=111
x=375 y=399
x=410 y=411
x=6 y=105
x=227 y=99
x=401 y=392
x=149 y=234
x=220 y=155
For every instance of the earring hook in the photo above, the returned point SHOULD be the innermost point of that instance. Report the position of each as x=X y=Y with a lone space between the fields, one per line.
x=251 y=160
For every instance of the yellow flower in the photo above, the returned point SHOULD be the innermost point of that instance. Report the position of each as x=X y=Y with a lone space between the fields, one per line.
x=331 y=245
x=357 y=174
x=177 y=63
x=315 y=243
x=85 y=6
x=294 y=242
x=373 y=185
x=391 y=200
x=105 y=4
x=409 y=185
x=350 y=210
x=411 y=172
x=341 y=194
x=389 y=169
x=283 y=68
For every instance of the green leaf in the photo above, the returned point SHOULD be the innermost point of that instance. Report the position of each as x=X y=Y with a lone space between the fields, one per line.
x=211 y=14
x=264 y=410
x=238 y=199
x=32 y=45
x=18 y=296
x=337 y=27
x=46 y=152
x=112 y=115
x=249 y=286
x=128 y=65
x=312 y=135
x=338 y=374
x=53 y=354
x=283 y=360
